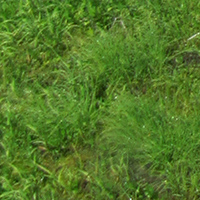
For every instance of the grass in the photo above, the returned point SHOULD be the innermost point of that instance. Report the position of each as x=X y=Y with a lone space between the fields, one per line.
x=99 y=106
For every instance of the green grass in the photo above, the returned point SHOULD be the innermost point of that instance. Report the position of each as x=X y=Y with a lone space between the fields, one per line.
x=99 y=100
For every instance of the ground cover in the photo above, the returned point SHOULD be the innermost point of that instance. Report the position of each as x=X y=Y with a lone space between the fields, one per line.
x=99 y=100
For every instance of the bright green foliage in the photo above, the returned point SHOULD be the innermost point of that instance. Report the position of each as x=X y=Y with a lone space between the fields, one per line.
x=99 y=99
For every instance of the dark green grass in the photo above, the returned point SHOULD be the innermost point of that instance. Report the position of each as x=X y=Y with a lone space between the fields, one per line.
x=99 y=100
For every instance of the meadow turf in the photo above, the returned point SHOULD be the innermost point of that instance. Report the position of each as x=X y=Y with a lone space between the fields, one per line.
x=99 y=100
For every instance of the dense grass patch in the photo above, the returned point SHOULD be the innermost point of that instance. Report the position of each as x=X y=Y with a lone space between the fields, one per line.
x=99 y=100
x=162 y=144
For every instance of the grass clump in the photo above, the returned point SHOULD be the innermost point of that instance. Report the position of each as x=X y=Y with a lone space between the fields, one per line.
x=162 y=145
x=99 y=100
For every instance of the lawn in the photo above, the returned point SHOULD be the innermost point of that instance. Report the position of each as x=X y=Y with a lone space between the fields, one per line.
x=99 y=100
